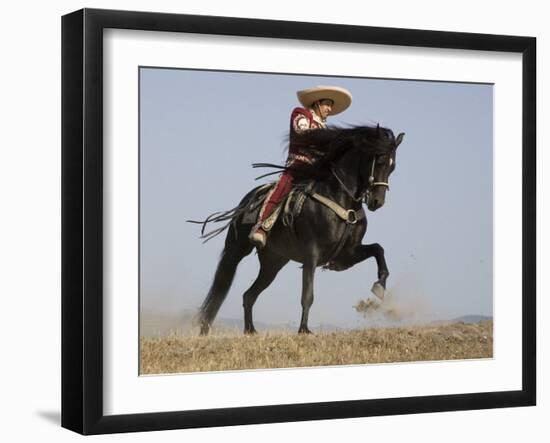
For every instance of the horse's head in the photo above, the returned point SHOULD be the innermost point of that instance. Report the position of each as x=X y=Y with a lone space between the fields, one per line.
x=377 y=163
x=365 y=155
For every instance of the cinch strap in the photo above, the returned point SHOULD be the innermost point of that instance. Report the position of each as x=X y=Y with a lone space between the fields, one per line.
x=348 y=215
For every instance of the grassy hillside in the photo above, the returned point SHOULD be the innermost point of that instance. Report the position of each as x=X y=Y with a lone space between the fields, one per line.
x=231 y=350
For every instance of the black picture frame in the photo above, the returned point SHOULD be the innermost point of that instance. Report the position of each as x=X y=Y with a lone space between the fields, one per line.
x=82 y=218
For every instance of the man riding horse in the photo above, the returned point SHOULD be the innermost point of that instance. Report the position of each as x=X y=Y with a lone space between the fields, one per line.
x=318 y=103
x=345 y=168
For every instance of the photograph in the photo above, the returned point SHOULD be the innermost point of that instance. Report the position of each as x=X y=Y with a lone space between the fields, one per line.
x=297 y=221
x=279 y=220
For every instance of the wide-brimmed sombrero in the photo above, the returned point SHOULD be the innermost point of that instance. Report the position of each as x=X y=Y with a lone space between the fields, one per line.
x=340 y=97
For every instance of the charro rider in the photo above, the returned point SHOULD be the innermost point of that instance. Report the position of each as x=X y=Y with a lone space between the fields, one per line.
x=318 y=103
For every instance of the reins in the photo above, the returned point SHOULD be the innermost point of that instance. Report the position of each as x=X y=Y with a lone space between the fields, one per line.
x=345 y=188
x=370 y=184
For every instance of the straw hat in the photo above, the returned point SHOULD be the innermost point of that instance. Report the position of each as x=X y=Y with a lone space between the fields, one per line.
x=340 y=97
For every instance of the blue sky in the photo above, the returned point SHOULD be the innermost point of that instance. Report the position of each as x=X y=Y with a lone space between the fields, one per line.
x=201 y=130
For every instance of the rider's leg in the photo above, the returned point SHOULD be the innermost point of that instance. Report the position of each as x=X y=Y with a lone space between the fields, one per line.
x=273 y=199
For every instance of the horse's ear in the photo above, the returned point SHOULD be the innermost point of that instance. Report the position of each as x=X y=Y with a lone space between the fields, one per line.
x=399 y=139
x=378 y=130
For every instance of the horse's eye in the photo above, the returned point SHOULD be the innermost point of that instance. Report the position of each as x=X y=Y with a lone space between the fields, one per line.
x=391 y=161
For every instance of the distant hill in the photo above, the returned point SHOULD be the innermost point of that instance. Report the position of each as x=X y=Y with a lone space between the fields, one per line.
x=471 y=318
x=158 y=324
x=466 y=319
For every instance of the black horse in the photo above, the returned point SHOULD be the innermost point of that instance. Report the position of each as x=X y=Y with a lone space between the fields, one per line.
x=352 y=169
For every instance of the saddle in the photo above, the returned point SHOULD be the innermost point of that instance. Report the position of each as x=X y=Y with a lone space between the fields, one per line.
x=290 y=207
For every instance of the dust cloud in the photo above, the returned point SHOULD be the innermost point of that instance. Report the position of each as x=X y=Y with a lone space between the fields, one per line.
x=403 y=305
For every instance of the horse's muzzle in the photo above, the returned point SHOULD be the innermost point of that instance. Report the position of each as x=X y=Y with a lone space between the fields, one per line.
x=375 y=203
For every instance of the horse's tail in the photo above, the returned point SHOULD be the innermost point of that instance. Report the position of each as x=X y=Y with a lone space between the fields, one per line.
x=230 y=258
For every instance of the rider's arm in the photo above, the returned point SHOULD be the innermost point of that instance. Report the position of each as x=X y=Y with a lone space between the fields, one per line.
x=300 y=123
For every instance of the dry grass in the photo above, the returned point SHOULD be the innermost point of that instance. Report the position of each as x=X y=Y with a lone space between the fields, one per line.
x=233 y=350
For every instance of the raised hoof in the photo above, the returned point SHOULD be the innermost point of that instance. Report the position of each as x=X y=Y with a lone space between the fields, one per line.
x=378 y=290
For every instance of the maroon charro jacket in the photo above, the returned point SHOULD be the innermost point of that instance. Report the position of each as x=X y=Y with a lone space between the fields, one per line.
x=301 y=120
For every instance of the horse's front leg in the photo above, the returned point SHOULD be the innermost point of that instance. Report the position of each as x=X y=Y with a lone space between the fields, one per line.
x=361 y=253
x=308 y=274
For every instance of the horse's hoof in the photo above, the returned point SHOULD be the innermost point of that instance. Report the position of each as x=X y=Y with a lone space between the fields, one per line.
x=250 y=331
x=304 y=331
x=378 y=290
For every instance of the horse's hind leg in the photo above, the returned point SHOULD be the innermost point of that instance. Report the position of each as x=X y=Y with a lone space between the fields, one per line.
x=270 y=266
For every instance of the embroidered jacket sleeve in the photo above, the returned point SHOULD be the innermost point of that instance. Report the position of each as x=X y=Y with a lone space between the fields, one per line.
x=301 y=120
x=300 y=123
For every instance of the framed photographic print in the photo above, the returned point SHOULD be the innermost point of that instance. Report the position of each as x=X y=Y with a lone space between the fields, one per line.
x=269 y=221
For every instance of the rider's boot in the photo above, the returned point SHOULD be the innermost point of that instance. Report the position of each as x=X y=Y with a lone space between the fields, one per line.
x=258 y=236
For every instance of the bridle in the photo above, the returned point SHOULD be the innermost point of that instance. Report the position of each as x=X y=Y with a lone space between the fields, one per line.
x=371 y=184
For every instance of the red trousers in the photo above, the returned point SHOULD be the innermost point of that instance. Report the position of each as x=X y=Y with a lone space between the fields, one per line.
x=276 y=195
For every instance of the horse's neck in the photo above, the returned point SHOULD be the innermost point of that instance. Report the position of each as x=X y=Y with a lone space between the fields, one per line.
x=346 y=170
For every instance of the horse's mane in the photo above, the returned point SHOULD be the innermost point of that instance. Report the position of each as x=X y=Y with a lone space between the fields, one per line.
x=332 y=142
